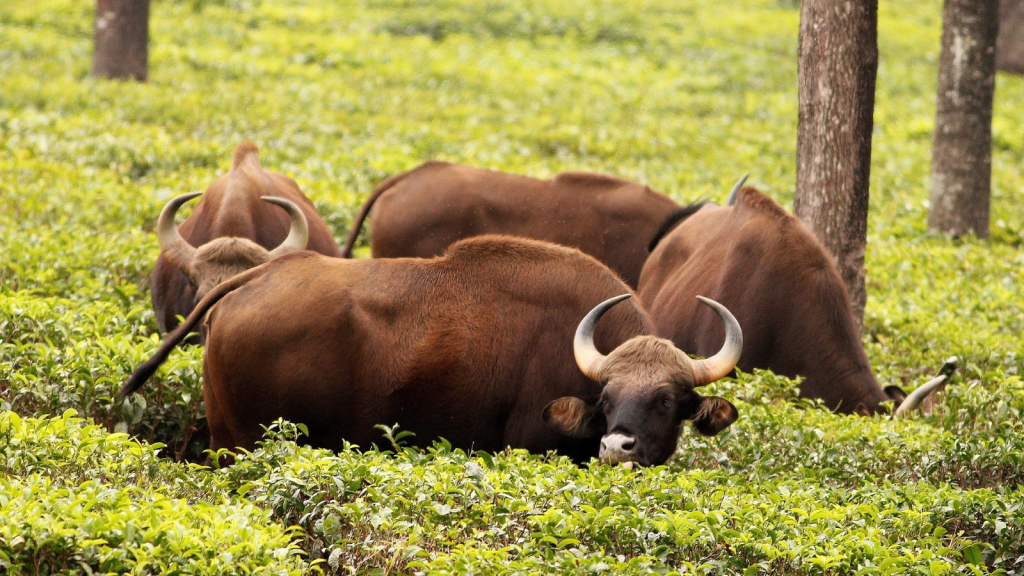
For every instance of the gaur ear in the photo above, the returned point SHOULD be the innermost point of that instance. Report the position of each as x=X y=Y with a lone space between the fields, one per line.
x=714 y=415
x=573 y=417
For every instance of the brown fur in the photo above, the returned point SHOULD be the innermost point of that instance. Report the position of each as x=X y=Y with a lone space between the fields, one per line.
x=231 y=207
x=648 y=360
x=423 y=211
x=470 y=346
x=778 y=280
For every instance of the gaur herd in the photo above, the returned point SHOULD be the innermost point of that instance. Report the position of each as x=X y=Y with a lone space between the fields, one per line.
x=500 y=311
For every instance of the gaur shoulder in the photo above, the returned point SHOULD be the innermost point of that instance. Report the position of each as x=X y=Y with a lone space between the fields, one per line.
x=435 y=165
x=590 y=180
x=533 y=266
x=793 y=236
x=494 y=246
x=751 y=198
x=435 y=168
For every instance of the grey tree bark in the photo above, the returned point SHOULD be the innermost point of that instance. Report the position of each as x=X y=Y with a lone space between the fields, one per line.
x=121 y=39
x=838 y=62
x=1010 y=42
x=962 y=144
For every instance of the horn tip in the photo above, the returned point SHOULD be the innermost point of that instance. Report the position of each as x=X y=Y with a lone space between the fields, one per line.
x=174 y=203
x=188 y=196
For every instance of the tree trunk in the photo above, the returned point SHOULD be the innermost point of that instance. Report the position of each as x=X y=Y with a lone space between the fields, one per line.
x=838 y=61
x=1010 y=42
x=962 y=146
x=121 y=38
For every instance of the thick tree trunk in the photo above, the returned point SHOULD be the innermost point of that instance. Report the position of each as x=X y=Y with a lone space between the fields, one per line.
x=1010 y=43
x=962 y=146
x=121 y=37
x=837 y=65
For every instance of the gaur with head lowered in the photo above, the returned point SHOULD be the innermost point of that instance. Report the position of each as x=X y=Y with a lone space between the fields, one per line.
x=784 y=289
x=476 y=346
x=422 y=211
x=235 y=226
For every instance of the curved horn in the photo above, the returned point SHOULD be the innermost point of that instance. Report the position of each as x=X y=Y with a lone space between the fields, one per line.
x=587 y=356
x=710 y=369
x=736 y=189
x=915 y=398
x=298 y=236
x=174 y=247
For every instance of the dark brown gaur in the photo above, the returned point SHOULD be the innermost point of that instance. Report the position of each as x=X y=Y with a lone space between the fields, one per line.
x=421 y=212
x=784 y=288
x=236 y=225
x=476 y=346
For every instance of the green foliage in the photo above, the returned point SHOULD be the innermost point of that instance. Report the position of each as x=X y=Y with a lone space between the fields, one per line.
x=57 y=354
x=75 y=499
x=445 y=512
x=682 y=95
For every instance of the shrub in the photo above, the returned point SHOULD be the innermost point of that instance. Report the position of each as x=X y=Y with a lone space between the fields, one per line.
x=76 y=499
x=683 y=95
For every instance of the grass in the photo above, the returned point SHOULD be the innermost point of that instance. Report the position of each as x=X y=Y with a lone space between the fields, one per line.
x=680 y=94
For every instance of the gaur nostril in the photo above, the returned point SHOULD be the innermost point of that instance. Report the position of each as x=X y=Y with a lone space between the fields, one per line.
x=629 y=444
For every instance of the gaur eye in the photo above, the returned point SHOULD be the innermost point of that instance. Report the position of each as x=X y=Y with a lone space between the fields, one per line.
x=667 y=403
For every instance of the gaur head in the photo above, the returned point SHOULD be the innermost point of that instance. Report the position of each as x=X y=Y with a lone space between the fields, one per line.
x=222 y=258
x=648 y=391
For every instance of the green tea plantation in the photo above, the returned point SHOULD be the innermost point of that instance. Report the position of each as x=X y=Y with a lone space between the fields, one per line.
x=684 y=95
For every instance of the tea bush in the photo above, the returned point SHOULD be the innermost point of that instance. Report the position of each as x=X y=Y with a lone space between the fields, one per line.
x=445 y=512
x=682 y=95
x=75 y=499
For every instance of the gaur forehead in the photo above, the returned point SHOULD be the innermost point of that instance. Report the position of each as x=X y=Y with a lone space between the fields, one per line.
x=645 y=363
x=231 y=250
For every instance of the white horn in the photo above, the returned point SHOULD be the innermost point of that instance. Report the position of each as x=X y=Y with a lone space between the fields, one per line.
x=587 y=357
x=736 y=189
x=298 y=235
x=710 y=369
x=924 y=390
x=174 y=247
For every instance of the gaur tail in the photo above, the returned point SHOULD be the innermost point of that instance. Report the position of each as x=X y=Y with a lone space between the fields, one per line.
x=148 y=368
x=387 y=184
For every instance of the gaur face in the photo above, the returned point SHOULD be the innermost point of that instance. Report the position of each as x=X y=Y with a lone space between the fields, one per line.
x=647 y=395
x=640 y=412
x=222 y=258
x=644 y=426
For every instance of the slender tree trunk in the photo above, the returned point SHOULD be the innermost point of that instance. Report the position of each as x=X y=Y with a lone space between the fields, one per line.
x=1010 y=42
x=962 y=146
x=121 y=37
x=837 y=65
